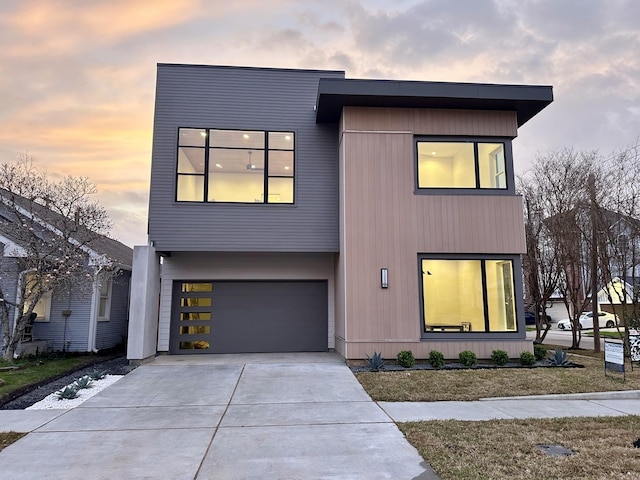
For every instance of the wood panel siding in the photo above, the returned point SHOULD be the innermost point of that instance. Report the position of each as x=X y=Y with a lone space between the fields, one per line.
x=245 y=99
x=426 y=121
x=385 y=224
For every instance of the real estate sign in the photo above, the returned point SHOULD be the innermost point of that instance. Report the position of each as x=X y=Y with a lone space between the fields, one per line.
x=614 y=356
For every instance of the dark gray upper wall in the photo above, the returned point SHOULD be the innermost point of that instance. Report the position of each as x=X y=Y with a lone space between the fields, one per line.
x=247 y=99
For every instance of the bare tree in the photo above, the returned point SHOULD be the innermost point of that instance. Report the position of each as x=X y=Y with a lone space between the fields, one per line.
x=51 y=225
x=540 y=263
x=556 y=194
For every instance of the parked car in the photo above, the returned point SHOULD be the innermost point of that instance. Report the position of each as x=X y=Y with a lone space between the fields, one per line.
x=530 y=318
x=605 y=320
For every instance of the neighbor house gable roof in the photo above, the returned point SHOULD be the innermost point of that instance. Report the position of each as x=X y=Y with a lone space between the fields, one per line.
x=116 y=252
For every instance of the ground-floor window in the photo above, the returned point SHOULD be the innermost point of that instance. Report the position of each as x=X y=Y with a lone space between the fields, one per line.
x=468 y=295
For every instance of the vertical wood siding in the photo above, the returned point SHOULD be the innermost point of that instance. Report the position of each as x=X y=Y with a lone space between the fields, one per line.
x=246 y=99
x=386 y=225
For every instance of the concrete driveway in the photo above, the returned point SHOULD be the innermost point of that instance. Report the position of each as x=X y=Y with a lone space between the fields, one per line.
x=263 y=416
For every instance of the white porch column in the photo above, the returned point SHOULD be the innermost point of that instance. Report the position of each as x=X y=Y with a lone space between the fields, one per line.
x=143 y=305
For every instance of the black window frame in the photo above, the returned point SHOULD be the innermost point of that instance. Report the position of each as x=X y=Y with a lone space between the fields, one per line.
x=508 y=166
x=265 y=177
x=518 y=333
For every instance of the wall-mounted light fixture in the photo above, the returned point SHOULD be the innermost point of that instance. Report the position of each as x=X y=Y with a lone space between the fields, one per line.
x=384 y=277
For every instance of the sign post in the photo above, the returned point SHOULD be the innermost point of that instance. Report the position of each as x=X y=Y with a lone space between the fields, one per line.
x=614 y=357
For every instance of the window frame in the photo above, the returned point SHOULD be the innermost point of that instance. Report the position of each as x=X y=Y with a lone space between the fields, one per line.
x=265 y=174
x=45 y=300
x=108 y=298
x=516 y=262
x=508 y=166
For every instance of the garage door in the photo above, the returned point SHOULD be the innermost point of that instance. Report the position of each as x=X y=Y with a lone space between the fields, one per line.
x=248 y=317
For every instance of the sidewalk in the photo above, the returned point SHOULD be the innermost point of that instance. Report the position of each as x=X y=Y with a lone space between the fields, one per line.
x=541 y=406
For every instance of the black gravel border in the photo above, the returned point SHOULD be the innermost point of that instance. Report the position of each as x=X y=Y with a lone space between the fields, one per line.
x=118 y=365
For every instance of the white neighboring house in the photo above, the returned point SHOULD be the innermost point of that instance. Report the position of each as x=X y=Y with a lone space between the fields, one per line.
x=90 y=318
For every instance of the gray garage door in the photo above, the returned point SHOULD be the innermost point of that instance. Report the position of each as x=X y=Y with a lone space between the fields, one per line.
x=248 y=317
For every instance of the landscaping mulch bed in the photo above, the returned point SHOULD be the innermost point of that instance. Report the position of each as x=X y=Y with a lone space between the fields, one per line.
x=392 y=367
x=115 y=366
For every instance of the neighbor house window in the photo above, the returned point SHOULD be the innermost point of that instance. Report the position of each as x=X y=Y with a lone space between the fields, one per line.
x=471 y=165
x=235 y=166
x=43 y=308
x=104 y=305
x=468 y=295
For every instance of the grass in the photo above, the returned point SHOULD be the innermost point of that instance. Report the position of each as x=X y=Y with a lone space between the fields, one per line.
x=507 y=448
x=7 y=438
x=442 y=385
x=32 y=372
x=499 y=449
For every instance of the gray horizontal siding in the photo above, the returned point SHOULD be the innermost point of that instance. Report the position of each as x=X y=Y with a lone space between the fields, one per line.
x=114 y=332
x=71 y=335
x=244 y=98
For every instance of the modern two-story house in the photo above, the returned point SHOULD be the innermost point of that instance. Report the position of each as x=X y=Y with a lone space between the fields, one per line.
x=297 y=210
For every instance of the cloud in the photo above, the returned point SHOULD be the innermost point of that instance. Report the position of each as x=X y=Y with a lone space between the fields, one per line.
x=77 y=78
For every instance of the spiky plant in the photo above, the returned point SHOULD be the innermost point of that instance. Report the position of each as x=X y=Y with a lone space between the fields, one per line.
x=375 y=363
x=98 y=374
x=558 y=357
x=83 y=382
x=67 y=393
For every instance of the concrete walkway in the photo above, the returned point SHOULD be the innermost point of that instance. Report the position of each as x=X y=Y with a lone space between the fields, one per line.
x=295 y=416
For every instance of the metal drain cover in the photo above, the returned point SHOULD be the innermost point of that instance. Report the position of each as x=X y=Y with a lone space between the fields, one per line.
x=555 y=450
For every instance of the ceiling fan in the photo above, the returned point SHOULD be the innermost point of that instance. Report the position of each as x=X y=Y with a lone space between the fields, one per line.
x=251 y=166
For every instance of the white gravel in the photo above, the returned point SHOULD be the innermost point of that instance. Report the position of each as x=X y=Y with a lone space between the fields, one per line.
x=53 y=402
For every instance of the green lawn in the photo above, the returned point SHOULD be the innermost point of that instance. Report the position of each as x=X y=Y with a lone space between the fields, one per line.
x=32 y=372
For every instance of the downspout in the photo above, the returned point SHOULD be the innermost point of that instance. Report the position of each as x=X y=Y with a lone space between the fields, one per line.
x=93 y=315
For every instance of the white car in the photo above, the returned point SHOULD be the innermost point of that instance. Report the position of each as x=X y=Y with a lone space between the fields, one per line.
x=605 y=320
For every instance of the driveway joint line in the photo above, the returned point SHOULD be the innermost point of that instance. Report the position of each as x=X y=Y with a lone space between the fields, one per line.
x=217 y=427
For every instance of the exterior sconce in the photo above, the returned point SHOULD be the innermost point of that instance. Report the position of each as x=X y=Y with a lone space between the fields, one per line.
x=384 y=277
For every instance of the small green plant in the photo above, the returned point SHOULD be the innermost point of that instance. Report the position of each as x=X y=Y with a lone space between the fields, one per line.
x=500 y=357
x=527 y=358
x=375 y=363
x=406 y=359
x=468 y=358
x=436 y=359
x=98 y=374
x=539 y=352
x=83 y=382
x=67 y=393
x=558 y=357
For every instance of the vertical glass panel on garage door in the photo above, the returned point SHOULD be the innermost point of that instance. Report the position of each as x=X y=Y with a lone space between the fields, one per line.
x=192 y=317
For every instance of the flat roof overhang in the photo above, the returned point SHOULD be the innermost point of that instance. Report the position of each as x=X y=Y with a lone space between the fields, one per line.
x=336 y=93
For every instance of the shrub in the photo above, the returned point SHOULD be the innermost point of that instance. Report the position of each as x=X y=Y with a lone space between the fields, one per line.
x=405 y=359
x=558 y=357
x=468 y=358
x=375 y=363
x=436 y=359
x=527 y=358
x=500 y=357
x=539 y=352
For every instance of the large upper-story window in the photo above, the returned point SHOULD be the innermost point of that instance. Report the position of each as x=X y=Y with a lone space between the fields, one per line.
x=461 y=165
x=235 y=166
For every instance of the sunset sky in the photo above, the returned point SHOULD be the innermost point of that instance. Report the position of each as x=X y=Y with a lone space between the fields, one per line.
x=77 y=77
